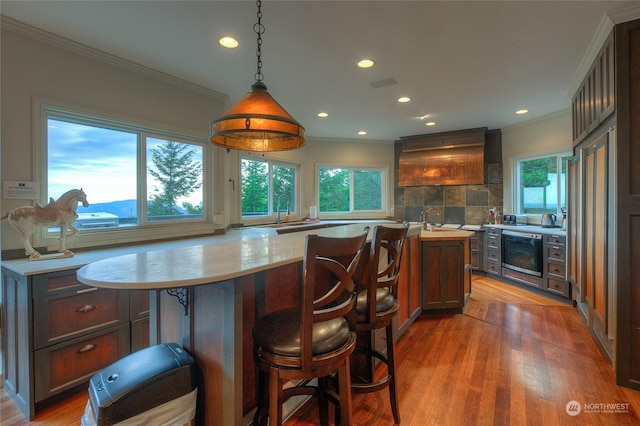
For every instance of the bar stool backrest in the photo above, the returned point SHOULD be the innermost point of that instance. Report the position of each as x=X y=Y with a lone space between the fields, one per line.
x=327 y=285
x=383 y=268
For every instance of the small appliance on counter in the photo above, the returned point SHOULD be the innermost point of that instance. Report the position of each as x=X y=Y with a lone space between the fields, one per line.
x=548 y=220
x=514 y=219
x=564 y=218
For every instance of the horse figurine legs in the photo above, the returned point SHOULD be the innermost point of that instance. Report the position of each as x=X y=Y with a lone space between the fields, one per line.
x=63 y=237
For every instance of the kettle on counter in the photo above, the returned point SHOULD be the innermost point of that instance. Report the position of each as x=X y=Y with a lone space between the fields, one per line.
x=548 y=220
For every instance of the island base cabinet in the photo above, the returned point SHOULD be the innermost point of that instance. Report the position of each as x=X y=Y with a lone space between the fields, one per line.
x=58 y=332
x=444 y=270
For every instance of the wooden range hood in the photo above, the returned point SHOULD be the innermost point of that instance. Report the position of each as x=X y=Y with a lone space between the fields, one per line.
x=450 y=158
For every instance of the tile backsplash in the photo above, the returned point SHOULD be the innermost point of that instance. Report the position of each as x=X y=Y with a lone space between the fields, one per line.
x=463 y=204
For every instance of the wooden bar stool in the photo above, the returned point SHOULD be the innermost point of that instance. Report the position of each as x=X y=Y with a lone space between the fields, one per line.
x=312 y=340
x=376 y=308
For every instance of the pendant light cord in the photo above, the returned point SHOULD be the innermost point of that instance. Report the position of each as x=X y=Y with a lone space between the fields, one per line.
x=259 y=30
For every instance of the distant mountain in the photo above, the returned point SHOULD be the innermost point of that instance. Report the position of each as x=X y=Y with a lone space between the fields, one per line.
x=123 y=209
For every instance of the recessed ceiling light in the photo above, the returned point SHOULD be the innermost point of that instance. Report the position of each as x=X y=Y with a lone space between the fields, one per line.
x=228 y=42
x=404 y=99
x=323 y=114
x=362 y=133
x=365 y=63
x=522 y=111
x=430 y=123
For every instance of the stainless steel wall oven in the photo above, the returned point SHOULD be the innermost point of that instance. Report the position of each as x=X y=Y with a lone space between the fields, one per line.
x=522 y=252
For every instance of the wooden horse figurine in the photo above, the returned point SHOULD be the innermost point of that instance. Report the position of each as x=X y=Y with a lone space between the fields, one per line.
x=62 y=212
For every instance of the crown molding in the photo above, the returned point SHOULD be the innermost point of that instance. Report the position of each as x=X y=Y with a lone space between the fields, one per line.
x=625 y=14
x=21 y=28
x=608 y=21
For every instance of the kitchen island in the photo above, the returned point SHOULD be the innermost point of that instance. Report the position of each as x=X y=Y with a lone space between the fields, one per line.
x=215 y=294
x=446 y=270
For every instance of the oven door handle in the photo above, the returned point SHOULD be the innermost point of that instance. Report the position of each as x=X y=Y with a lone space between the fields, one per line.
x=522 y=234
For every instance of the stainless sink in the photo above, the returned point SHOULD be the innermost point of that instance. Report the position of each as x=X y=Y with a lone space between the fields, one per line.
x=286 y=227
x=285 y=224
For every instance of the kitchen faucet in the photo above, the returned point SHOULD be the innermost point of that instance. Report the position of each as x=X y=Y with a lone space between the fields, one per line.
x=423 y=214
x=278 y=206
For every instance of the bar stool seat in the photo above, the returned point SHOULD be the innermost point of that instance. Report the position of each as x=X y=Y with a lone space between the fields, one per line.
x=278 y=333
x=384 y=301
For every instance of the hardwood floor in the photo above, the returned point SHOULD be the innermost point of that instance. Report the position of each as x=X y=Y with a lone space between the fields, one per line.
x=513 y=358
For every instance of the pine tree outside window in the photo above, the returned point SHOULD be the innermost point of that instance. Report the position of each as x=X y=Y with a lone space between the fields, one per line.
x=264 y=181
x=541 y=184
x=351 y=190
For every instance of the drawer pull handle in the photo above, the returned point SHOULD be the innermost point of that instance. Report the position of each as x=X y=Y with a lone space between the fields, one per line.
x=555 y=247
x=87 y=348
x=86 y=290
x=86 y=308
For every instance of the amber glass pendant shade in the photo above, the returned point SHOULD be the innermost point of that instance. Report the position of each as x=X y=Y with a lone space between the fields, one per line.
x=257 y=123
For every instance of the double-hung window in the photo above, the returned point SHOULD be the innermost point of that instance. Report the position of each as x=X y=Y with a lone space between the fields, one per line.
x=135 y=177
x=351 y=190
x=541 y=184
x=268 y=186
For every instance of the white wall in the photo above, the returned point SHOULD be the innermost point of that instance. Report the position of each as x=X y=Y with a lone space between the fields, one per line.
x=549 y=134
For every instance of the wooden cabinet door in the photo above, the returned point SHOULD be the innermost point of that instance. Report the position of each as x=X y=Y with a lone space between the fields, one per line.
x=443 y=275
x=595 y=287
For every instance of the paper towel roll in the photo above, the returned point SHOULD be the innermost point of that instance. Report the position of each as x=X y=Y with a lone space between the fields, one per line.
x=313 y=213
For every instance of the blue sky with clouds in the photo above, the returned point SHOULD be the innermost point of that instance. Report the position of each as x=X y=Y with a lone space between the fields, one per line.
x=101 y=161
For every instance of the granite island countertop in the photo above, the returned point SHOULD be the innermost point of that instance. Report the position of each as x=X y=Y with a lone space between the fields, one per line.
x=28 y=267
x=207 y=263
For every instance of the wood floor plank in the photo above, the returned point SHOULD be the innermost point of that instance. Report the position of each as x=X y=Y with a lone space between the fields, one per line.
x=513 y=358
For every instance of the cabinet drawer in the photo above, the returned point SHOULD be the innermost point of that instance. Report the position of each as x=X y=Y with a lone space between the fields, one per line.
x=494 y=232
x=63 y=366
x=493 y=240
x=56 y=282
x=556 y=239
x=556 y=252
x=493 y=254
x=556 y=269
x=67 y=315
x=493 y=267
x=558 y=286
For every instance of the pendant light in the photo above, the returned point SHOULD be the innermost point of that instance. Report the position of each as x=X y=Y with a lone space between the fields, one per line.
x=257 y=122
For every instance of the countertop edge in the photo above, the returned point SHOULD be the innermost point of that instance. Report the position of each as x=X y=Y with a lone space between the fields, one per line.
x=191 y=262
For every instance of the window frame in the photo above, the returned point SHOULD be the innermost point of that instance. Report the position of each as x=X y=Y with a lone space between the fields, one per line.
x=145 y=230
x=295 y=207
x=360 y=214
x=560 y=162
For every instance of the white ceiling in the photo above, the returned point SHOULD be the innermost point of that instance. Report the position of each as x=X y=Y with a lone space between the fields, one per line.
x=465 y=64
